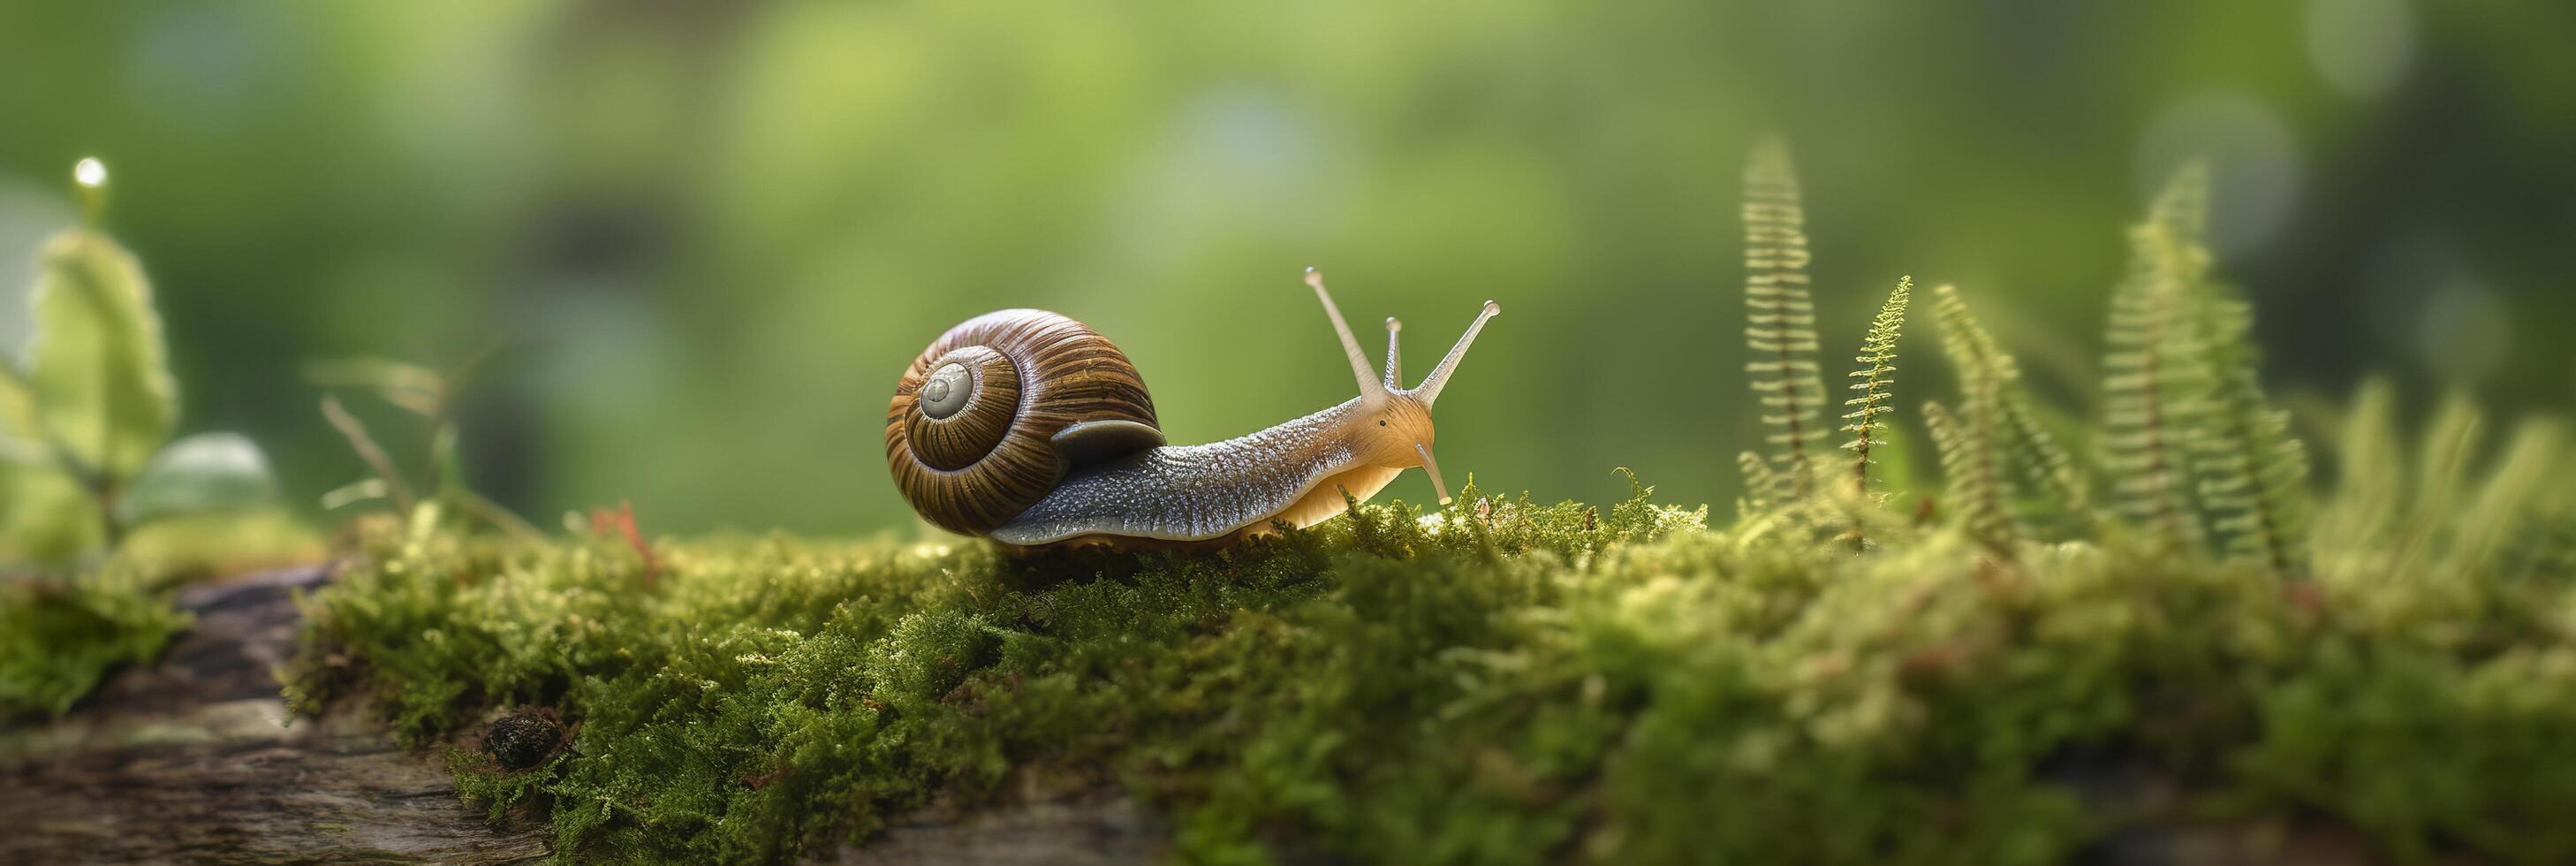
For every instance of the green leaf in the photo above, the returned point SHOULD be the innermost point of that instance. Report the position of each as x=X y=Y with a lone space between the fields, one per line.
x=17 y=402
x=201 y=473
x=45 y=518
x=96 y=369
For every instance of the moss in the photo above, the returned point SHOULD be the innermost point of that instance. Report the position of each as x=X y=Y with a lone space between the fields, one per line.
x=1504 y=683
x=58 y=638
x=61 y=636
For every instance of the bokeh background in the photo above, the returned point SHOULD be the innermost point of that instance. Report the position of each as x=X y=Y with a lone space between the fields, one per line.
x=703 y=238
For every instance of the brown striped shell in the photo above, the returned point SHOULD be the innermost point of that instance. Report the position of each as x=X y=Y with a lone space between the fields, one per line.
x=990 y=417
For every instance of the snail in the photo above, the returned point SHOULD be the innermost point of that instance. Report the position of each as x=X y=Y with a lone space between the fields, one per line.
x=1031 y=429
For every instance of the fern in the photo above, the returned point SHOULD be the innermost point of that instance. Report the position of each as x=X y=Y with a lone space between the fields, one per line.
x=2047 y=465
x=2427 y=507
x=2147 y=351
x=1975 y=470
x=1974 y=489
x=1981 y=362
x=2370 y=482
x=1761 y=482
x=2514 y=495
x=2439 y=493
x=1875 y=353
x=2253 y=473
x=1780 y=317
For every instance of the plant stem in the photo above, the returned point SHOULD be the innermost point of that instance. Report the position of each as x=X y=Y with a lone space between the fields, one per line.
x=356 y=432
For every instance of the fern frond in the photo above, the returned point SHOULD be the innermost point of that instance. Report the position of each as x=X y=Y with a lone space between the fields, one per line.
x=2149 y=366
x=2443 y=457
x=1780 y=317
x=1761 y=482
x=1999 y=408
x=1970 y=346
x=1877 y=351
x=1973 y=465
x=2370 y=481
x=2430 y=508
x=2048 y=466
x=2516 y=490
x=2253 y=474
x=1973 y=491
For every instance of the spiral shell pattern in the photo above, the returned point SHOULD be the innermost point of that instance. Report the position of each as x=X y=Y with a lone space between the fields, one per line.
x=967 y=435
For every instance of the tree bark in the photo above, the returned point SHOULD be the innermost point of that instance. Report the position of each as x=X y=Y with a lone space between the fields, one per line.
x=191 y=760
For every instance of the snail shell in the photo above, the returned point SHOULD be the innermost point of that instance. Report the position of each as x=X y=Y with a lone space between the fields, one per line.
x=990 y=416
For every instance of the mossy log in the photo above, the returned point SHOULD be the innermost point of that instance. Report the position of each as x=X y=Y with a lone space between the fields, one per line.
x=1502 y=683
x=191 y=760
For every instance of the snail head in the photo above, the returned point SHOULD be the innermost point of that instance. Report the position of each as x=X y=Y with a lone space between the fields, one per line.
x=1393 y=427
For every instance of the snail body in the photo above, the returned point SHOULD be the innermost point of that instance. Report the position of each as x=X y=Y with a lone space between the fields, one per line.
x=1028 y=428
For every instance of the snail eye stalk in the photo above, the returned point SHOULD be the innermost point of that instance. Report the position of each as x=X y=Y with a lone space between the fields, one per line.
x=1369 y=387
x=1433 y=468
x=1394 y=376
x=1429 y=390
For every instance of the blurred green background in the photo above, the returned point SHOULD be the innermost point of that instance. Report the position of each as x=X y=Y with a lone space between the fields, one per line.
x=706 y=237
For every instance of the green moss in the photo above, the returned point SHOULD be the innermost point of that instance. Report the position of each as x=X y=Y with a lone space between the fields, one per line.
x=59 y=637
x=1508 y=683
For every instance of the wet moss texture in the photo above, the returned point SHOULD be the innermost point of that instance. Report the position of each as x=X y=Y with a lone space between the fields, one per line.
x=1495 y=682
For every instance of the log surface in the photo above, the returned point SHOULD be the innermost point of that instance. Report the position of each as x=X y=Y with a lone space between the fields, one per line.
x=190 y=760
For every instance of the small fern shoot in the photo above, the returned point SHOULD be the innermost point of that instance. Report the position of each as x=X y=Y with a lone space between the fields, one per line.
x=1973 y=489
x=1999 y=411
x=1780 y=317
x=1761 y=483
x=1876 y=352
x=2142 y=451
x=2253 y=473
x=2371 y=493
x=2047 y=465
x=1985 y=373
x=1980 y=360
